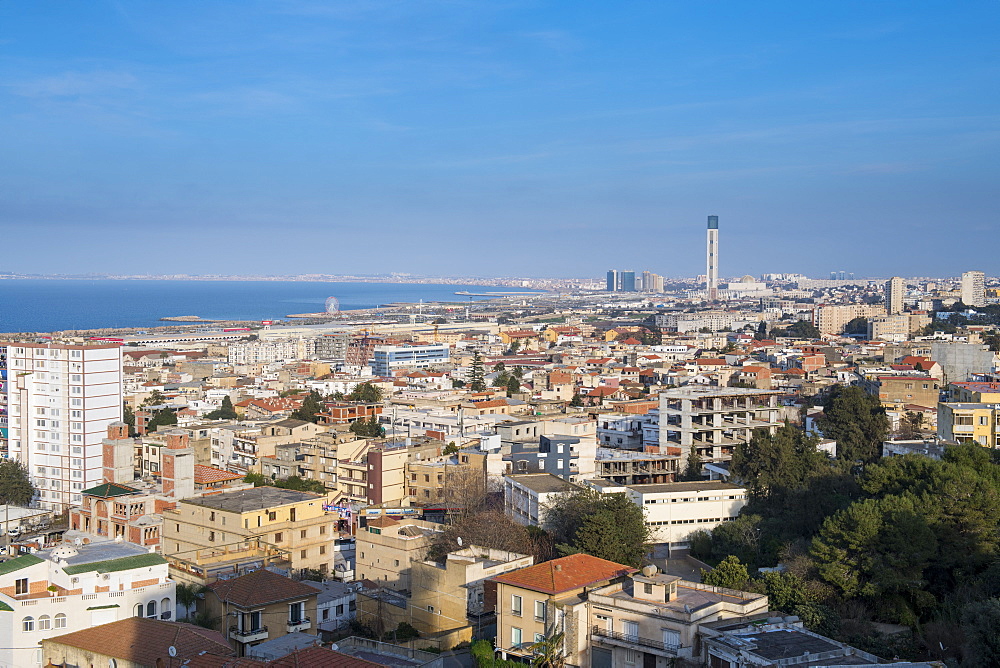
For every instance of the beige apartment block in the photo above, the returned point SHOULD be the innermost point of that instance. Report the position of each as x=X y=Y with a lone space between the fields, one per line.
x=832 y=319
x=540 y=601
x=287 y=519
x=387 y=549
x=260 y=606
x=445 y=594
x=652 y=619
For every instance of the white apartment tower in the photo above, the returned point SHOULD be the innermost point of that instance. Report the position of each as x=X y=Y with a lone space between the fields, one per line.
x=974 y=288
x=895 y=288
x=58 y=400
x=712 y=273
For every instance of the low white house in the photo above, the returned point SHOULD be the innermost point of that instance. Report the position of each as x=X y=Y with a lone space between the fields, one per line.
x=72 y=587
x=675 y=510
x=527 y=496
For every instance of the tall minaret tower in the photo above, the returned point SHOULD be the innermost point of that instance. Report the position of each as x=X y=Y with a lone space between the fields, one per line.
x=712 y=274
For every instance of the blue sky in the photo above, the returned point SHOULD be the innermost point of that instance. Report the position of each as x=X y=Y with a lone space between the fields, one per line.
x=498 y=137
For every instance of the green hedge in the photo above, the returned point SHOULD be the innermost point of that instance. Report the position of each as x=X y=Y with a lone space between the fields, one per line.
x=482 y=655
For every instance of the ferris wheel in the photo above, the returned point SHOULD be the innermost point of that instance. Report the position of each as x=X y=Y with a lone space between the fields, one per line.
x=332 y=305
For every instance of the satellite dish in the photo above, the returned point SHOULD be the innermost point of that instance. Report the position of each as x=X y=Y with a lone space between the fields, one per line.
x=459 y=539
x=172 y=651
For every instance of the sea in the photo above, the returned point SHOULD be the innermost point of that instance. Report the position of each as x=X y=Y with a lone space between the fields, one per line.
x=49 y=305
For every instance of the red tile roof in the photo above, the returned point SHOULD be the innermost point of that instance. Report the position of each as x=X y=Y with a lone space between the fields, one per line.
x=204 y=475
x=143 y=641
x=260 y=588
x=565 y=574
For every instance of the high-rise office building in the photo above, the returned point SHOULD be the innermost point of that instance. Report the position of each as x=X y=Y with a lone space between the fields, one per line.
x=974 y=288
x=895 y=288
x=628 y=281
x=58 y=401
x=712 y=274
x=613 y=281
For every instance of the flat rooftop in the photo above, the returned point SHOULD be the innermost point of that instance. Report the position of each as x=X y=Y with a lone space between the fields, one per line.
x=248 y=500
x=96 y=551
x=543 y=483
x=694 y=392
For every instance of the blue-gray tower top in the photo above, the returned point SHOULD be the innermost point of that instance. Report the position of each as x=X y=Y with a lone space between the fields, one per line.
x=713 y=222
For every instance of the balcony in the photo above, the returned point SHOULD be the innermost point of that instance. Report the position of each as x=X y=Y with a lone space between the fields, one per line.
x=249 y=635
x=617 y=639
x=299 y=625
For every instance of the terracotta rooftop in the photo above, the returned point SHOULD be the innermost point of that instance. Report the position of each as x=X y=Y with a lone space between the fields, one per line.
x=565 y=574
x=145 y=641
x=260 y=588
x=204 y=475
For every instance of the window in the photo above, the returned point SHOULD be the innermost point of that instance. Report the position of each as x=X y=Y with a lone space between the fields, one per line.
x=277 y=538
x=151 y=610
x=272 y=516
x=211 y=536
x=28 y=624
x=340 y=609
x=540 y=611
x=647 y=588
x=539 y=637
x=630 y=629
x=165 y=609
x=671 y=638
x=296 y=612
x=396 y=562
x=21 y=586
x=515 y=636
x=60 y=620
x=302 y=534
x=44 y=623
x=322 y=549
x=302 y=554
x=963 y=419
x=322 y=530
x=515 y=604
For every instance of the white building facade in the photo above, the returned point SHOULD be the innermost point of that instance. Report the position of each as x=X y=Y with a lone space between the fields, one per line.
x=59 y=400
x=71 y=588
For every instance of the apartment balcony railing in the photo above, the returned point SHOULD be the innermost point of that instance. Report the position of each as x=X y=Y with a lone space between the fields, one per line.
x=248 y=635
x=299 y=624
x=633 y=641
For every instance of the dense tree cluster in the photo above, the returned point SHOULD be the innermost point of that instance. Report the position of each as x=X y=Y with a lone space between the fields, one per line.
x=800 y=329
x=608 y=526
x=291 y=482
x=905 y=540
x=310 y=409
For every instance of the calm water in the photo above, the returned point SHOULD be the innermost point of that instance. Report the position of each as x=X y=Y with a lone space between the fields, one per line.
x=51 y=305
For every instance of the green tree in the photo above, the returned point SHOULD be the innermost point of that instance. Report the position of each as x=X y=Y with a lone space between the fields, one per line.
x=128 y=417
x=225 y=412
x=857 y=421
x=730 y=573
x=450 y=449
x=15 y=483
x=857 y=327
x=310 y=409
x=301 y=484
x=513 y=385
x=258 y=479
x=477 y=376
x=548 y=652
x=693 y=469
x=576 y=401
x=188 y=595
x=608 y=526
x=980 y=622
x=367 y=393
x=161 y=418
x=878 y=549
x=369 y=428
x=155 y=398
x=911 y=425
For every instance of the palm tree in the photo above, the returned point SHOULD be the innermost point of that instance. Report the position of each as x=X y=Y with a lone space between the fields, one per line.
x=548 y=652
x=188 y=595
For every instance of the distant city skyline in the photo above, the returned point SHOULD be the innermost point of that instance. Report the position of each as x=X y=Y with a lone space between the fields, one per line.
x=498 y=139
